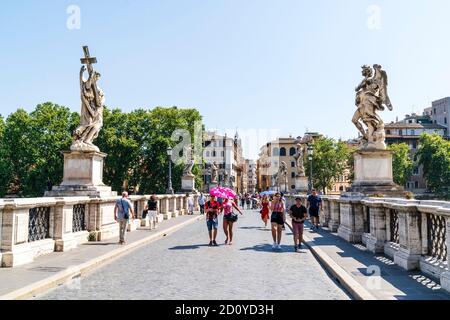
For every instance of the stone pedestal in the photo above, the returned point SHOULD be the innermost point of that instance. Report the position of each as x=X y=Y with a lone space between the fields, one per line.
x=373 y=174
x=83 y=176
x=188 y=184
x=301 y=184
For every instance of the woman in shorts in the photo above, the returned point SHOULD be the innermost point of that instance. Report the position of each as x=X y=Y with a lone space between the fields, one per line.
x=277 y=219
x=229 y=218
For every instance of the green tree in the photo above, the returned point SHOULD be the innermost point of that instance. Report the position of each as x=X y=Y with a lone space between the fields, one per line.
x=5 y=164
x=434 y=156
x=330 y=160
x=32 y=144
x=402 y=165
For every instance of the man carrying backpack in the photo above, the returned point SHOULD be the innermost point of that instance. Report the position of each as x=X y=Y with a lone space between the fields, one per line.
x=122 y=215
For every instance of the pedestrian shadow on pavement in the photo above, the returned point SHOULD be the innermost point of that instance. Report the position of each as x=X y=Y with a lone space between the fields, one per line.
x=190 y=247
x=268 y=248
x=254 y=228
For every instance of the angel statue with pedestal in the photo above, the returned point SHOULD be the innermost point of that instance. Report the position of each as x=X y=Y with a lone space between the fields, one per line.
x=371 y=97
x=92 y=104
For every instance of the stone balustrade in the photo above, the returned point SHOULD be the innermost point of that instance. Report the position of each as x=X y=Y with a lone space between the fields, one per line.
x=36 y=226
x=414 y=234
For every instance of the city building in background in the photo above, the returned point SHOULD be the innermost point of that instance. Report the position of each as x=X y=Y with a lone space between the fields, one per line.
x=409 y=131
x=226 y=153
x=439 y=113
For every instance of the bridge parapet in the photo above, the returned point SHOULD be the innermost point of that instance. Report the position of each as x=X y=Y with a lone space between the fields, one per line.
x=414 y=233
x=31 y=227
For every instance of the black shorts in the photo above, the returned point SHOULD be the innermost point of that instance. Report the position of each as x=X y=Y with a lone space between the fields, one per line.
x=314 y=212
x=277 y=218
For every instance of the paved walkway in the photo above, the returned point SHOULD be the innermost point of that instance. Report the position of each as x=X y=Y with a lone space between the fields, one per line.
x=183 y=267
x=52 y=265
x=393 y=283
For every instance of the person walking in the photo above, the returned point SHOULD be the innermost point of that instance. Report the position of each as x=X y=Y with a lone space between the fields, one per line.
x=248 y=201
x=122 y=211
x=190 y=204
x=229 y=218
x=314 y=207
x=277 y=219
x=242 y=197
x=283 y=199
x=201 y=203
x=265 y=211
x=212 y=208
x=299 y=214
x=152 y=210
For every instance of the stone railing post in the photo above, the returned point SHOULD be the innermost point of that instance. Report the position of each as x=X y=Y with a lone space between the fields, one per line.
x=351 y=227
x=445 y=276
x=106 y=225
x=410 y=251
x=376 y=239
x=63 y=224
x=334 y=222
x=325 y=214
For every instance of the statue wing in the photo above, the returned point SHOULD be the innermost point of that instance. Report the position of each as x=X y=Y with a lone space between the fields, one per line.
x=382 y=80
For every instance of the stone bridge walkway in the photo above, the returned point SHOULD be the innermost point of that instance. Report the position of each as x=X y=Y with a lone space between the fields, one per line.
x=182 y=266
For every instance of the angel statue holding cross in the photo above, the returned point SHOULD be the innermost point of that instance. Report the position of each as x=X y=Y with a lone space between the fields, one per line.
x=371 y=97
x=92 y=104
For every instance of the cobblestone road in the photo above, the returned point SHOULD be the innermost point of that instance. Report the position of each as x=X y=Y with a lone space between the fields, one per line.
x=182 y=266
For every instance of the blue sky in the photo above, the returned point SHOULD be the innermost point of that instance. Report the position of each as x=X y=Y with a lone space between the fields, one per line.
x=289 y=65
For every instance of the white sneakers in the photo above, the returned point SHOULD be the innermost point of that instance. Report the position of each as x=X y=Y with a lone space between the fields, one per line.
x=276 y=246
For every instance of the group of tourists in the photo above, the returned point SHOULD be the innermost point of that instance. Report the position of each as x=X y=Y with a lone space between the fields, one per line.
x=272 y=208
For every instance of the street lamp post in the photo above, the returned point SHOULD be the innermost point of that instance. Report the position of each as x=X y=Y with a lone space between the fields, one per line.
x=169 y=184
x=310 y=158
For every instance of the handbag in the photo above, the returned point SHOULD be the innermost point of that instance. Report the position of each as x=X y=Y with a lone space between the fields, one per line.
x=144 y=214
x=233 y=217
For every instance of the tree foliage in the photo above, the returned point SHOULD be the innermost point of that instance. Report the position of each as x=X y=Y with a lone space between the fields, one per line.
x=434 y=156
x=331 y=158
x=402 y=165
x=31 y=144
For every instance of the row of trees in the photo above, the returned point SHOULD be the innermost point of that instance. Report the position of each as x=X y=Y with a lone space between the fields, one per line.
x=136 y=143
x=333 y=159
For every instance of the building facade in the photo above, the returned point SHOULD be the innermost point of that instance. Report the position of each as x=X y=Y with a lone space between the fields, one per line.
x=409 y=131
x=439 y=113
x=226 y=153
x=251 y=176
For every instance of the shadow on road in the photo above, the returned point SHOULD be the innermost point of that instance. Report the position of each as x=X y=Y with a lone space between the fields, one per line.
x=190 y=247
x=268 y=248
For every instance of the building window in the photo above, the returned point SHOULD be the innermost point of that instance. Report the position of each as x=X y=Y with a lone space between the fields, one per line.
x=292 y=151
x=207 y=154
x=434 y=110
x=388 y=131
x=292 y=164
x=414 y=145
x=400 y=132
x=223 y=153
x=283 y=152
x=214 y=153
x=445 y=120
x=293 y=175
x=416 y=171
x=413 y=132
x=416 y=184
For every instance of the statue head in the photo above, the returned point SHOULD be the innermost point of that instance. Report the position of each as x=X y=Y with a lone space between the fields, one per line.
x=367 y=71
